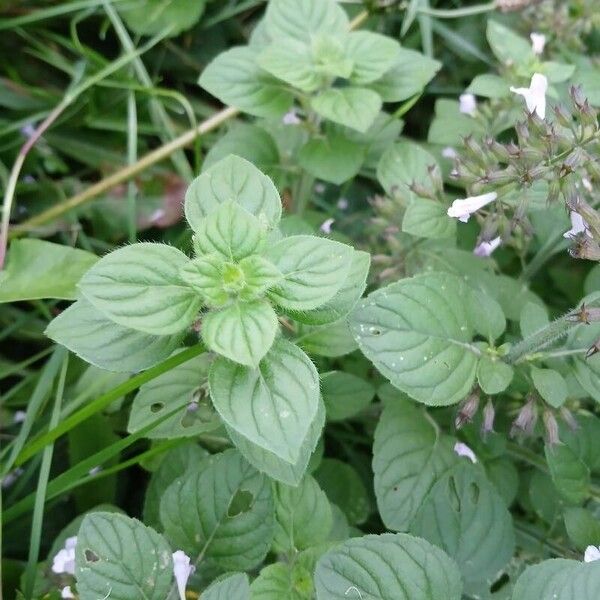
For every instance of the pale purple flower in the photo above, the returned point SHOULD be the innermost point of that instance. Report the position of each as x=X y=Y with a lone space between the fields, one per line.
x=326 y=226
x=66 y=592
x=467 y=104
x=319 y=188
x=464 y=450
x=592 y=553
x=449 y=152
x=535 y=94
x=462 y=209
x=538 y=41
x=28 y=130
x=64 y=561
x=291 y=118
x=487 y=248
x=578 y=225
x=182 y=571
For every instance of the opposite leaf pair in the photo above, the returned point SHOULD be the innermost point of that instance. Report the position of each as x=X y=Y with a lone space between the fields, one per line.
x=243 y=269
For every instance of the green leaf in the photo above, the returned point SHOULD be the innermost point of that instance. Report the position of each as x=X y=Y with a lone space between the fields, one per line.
x=386 y=566
x=486 y=314
x=409 y=456
x=466 y=517
x=183 y=387
x=428 y=219
x=230 y=231
x=281 y=581
x=155 y=16
x=272 y=406
x=291 y=61
x=372 y=53
x=222 y=511
x=569 y=473
x=350 y=106
x=533 y=317
x=302 y=19
x=551 y=385
x=582 y=527
x=450 y=126
x=175 y=462
x=302 y=516
x=345 y=298
x=559 y=579
x=274 y=466
x=260 y=275
x=122 y=557
x=493 y=375
x=345 y=395
x=345 y=489
x=235 y=78
x=334 y=158
x=410 y=74
x=331 y=340
x=250 y=142
x=230 y=587
x=416 y=333
x=97 y=340
x=489 y=86
x=32 y=267
x=508 y=47
x=232 y=179
x=402 y=165
x=139 y=286
x=313 y=269
x=243 y=331
x=585 y=440
x=557 y=72
x=205 y=276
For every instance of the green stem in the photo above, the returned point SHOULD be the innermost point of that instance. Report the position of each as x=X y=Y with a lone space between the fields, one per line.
x=540 y=339
x=457 y=13
x=105 y=400
x=40 y=494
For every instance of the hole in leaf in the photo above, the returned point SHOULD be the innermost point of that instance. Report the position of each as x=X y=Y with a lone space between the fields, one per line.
x=156 y=407
x=374 y=331
x=453 y=495
x=90 y=555
x=240 y=503
x=474 y=492
x=501 y=582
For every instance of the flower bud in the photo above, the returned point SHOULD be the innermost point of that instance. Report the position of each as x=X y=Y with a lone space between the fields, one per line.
x=589 y=214
x=562 y=116
x=526 y=419
x=489 y=414
x=584 y=314
x=551 y=427
x=568 y=418
x=585 y=248
x=498 y=150
x=474 y=151
x=577 y=96
x=593 y=349
x=467 y=411
x=522 y=132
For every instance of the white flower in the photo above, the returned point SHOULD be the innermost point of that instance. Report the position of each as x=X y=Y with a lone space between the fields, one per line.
x=66 y=592
x=182 y=571
x=449 y=152
x=11 y=477
x=326 y=226
x=319 y=188
x=535 y=94
x=19 y=416
x=592 y=553
x=64 y=561
x=464 y=450
x=342 y=203
x=291 y=118
x=486 y=248
x=462 y=209
x=578 y=225
x=538 y=41
x=467 y=104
